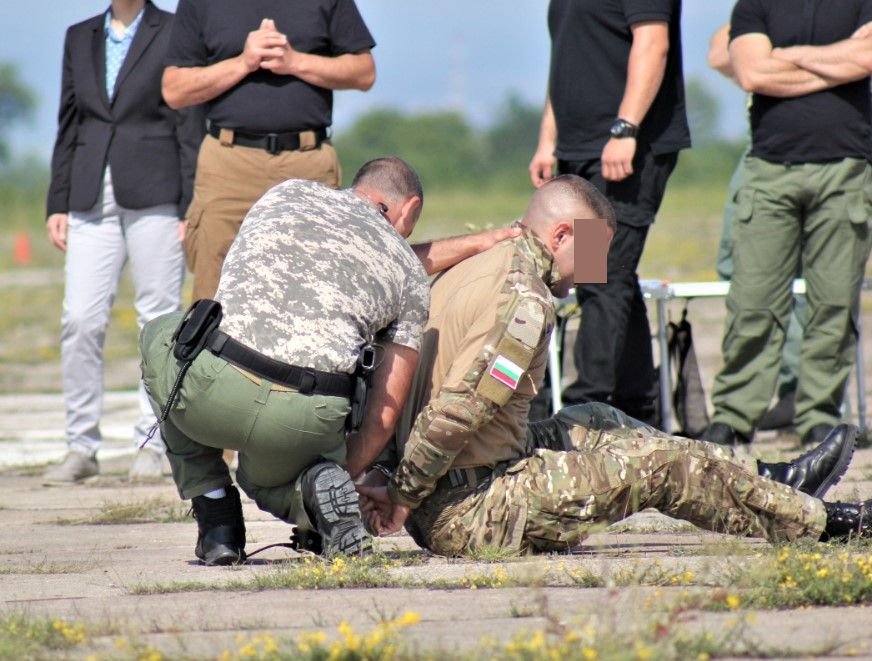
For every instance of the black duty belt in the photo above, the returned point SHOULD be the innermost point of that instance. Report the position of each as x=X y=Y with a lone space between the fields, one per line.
x=468 y=477
x=302 y=379
x=271 y=142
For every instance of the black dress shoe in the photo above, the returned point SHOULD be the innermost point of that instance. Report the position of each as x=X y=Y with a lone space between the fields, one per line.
x=780 y=415
x=221 y=529
x=846 y=520
x=818 y=469
x=722 y=434
x=816 y=434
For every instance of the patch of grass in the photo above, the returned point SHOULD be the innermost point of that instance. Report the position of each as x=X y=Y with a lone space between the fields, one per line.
x=45 y=567
x=493 y=554
x=381 y=643
x=657 y=633
x=179 y=586
x=651 y=573
x=799 y=576
x=151 y=510
x=324 y=574
x=27 y=637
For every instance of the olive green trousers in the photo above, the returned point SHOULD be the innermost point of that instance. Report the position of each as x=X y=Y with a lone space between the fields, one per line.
x=278 y=433
x=813 y=215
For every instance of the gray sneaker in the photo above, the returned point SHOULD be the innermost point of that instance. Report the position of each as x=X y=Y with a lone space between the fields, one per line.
x=147 y=466
x=75 y=468
x=333 y=504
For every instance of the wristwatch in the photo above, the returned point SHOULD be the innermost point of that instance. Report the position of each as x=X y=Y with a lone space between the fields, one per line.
x=623 y=129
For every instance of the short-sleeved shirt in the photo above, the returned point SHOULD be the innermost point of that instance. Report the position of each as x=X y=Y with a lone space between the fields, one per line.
x=314 y=273
x=210 y=31
x=590 y=48
x=820 y=127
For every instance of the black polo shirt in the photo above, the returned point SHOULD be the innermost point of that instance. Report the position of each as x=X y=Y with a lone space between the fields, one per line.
x=813 y=128
x=209 y=31
x=590 y=47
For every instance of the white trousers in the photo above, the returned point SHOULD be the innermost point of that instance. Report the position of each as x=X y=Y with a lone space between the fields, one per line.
x=99 y=242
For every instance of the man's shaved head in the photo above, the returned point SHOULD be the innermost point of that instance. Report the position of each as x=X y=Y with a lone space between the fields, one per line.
x=566 y=197
x=391 y=176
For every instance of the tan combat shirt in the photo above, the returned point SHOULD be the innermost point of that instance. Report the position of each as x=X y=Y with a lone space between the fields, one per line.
x=483 y=358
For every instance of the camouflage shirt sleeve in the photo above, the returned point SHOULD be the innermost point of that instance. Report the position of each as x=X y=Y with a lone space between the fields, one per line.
x=473 y=392
x=408 y=327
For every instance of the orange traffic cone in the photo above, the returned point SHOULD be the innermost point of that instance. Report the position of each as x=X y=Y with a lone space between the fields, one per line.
x=21 y=252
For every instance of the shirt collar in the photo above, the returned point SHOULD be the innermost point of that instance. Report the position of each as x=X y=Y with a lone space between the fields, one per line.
x=532 y=247
x=129 y=31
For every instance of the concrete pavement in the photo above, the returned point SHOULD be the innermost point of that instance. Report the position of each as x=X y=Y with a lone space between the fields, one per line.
x=137 y=588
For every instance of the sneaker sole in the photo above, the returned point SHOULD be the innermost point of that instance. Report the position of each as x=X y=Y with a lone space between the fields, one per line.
x=841 y=466
x=91 y=479
x=337 y=510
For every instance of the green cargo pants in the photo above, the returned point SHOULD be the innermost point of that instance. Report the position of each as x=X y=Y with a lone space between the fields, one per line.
x=816 y=215
x=278 y=433
x=788 y=372
x=591 y=465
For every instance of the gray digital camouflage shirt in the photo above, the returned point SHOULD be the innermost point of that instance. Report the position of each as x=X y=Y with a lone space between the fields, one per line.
x=314 y=273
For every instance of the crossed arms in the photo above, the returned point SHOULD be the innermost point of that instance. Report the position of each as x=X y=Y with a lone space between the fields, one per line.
x=798 y=70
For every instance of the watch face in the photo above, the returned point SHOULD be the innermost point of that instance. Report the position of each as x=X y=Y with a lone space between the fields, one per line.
x=622 y=129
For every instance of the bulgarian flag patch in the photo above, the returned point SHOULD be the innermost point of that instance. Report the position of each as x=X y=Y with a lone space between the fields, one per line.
x=506 y=372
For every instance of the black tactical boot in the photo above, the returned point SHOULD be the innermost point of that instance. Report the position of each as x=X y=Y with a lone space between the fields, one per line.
x=718 y=432
x=847 y=520
x=818 y=469
x=221 y=538
x=333 y=505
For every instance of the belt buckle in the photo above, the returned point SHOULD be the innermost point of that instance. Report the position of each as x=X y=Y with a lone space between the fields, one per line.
x=272 y=143
x=307 y=381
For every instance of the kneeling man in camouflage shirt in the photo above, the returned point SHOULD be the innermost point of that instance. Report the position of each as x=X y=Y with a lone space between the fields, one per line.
x=314 y=275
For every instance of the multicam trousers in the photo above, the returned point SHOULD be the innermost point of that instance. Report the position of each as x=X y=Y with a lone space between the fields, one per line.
x=591 y=465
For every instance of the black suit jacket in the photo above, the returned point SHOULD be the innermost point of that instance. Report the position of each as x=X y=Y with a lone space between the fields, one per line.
x=150 y=148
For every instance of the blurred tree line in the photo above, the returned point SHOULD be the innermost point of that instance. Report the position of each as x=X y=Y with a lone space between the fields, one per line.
x=449 y=152
x=22 y=181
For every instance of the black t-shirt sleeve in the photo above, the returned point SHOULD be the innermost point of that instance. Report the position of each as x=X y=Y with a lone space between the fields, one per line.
x=348 y=32
x=865 y=13
x=748 y=18
x=637 y=11
x=187 y=47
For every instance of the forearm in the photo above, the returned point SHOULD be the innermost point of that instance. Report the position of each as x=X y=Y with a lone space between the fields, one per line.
x=719 y=51
x=842 y=62
x=547 y=128
x=391 y=383
x=436 y=256
x=188 y=86
x=349 y=71
x=783 y=79
x=758 y=71
x=645 y=70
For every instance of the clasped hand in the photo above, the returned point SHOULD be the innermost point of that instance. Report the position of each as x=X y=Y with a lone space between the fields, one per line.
x=267 y=48
x=380 y=514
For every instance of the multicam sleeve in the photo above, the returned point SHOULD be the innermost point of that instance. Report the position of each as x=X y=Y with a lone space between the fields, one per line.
x=472 y=393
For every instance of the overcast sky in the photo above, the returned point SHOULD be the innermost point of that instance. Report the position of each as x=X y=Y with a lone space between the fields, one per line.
x=467 y=54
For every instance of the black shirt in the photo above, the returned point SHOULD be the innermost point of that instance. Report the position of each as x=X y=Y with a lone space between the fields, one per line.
x=590 y=47
x=209 y=31
x=813 y=128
